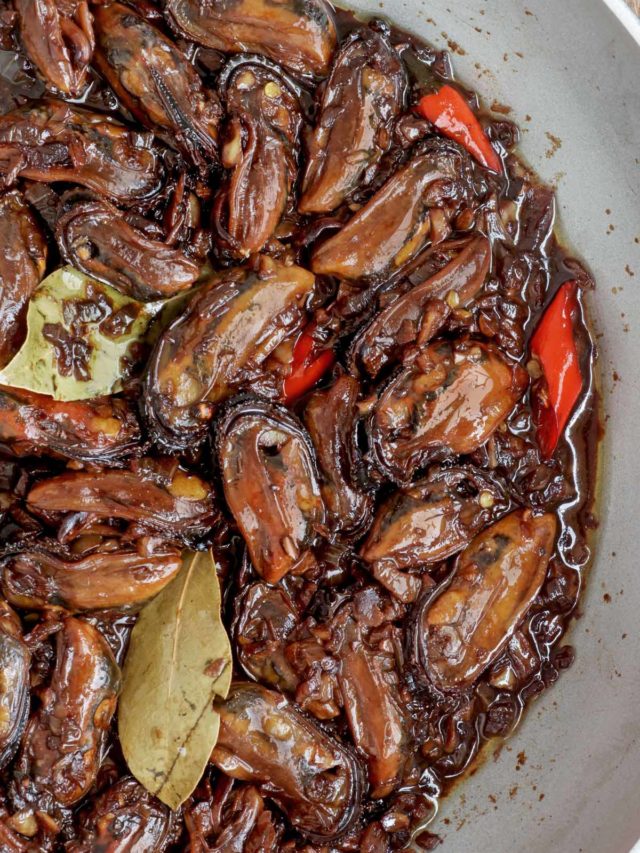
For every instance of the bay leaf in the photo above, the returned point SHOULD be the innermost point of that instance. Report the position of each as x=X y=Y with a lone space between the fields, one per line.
x=81 y=337
x=178 y=663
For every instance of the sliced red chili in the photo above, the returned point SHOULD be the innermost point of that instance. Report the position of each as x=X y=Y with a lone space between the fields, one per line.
x=305 y=369
x=454 y=118
x=553 y=345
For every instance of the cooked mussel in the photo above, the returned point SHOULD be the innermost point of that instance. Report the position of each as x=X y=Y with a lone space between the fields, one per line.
x=95 y=237
x=410 y=319
x=178 y=504
x=54 y=141
x=396 y=222
x=447 y=402
x=376 y=719
x=266 y=617
x=124 y=818
x=23 y=257
x=62 y=746
x=271 y=485
x=106 y=577
x=156 y=82
x=233 y=817
x=103 y=430
x=13 y=842
x=427 y=522
x=58 y=39
x=496 y=578
x=300 y=36
x=265 y=740
x=229 y=328
x=260 y=150
x=331 y=417
x=15 y=660
x=360 y=101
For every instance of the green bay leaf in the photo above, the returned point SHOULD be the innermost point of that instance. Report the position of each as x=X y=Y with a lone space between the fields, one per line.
x=178 y=663
x=80 y=335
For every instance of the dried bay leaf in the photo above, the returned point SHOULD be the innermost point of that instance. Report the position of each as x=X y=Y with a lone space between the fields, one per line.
x=178 y=663
x=81 y=339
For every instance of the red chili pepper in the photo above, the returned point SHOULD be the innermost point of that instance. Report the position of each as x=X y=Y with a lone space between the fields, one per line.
x=553 y=345
x=305 y=370
x=453 y=117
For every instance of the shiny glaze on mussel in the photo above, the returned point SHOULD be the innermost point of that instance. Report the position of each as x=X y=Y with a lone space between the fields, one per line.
x=104 y=429
x=260 y=152
x=396 y=222
x=448 y=401
x=300 y=36
x=266 y=617
x=156 y=82
x=54 y=141
x=174 y=501
x=331 y=417
x=23 y=258
x=58 y=39
x=311 y=776
x=101 y=578
x=219 y=342
x=360 y=100
x=377 y=721
x=427 y=522
x=62 y=746
x=416 y=316
x=124 y=819
x=271 y=485
x=15 y=660
x=461 y=631
x=95 y=237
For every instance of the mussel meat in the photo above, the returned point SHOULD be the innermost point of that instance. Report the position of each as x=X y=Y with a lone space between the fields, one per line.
x=263 y=739
x=360 y=101
x=496 y=578
x=271 y=485
x=447 y=402
x=23 y=258
x=228 y=330
x=156 y=83
x=300 y=36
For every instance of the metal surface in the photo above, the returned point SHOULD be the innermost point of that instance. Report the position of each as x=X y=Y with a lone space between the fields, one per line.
x=568 y=780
